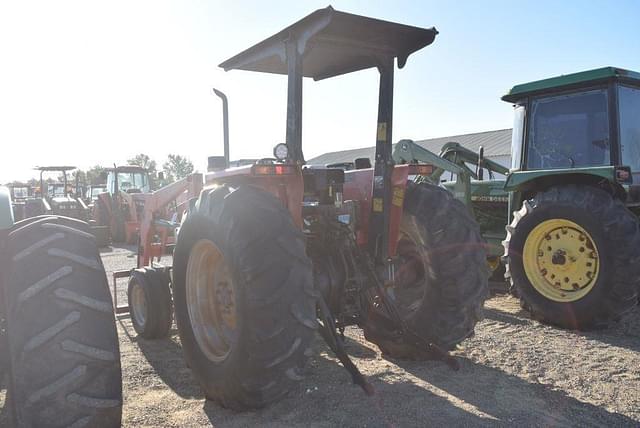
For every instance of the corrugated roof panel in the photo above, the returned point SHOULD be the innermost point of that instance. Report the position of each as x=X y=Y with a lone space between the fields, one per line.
x=496 y=144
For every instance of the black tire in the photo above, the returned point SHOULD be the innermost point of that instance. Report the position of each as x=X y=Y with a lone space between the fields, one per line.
x=274 y=296
x=118 y=231
x=616 y=234
x=153 y=319
x=117 y=227
x=101 y=233
x=63 y=345
x=442 y=285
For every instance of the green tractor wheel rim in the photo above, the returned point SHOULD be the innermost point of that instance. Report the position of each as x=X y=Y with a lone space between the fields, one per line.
x=561 y=260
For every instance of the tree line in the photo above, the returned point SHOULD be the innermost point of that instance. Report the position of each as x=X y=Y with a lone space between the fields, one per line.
x=175 y=168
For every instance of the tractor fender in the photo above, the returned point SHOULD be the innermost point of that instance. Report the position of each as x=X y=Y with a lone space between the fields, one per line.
x=523 y=185
x=6 y=212
x=521 y=181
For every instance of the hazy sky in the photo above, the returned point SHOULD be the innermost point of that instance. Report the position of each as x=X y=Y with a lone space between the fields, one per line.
x=90 y=82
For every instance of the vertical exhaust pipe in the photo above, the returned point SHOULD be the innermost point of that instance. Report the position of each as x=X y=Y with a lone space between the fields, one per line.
x=225 y=124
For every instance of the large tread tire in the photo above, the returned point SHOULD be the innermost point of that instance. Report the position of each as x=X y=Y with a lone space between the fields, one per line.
x=445 y=302
x=62 y=340
x=275 y=298
x=617 y=234
x=101 y=234
x=156 y=321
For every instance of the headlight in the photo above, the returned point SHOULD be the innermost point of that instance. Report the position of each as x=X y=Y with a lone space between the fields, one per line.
x=281 y=151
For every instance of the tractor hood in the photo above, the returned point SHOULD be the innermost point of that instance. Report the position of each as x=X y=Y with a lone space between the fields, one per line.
x=334 y=43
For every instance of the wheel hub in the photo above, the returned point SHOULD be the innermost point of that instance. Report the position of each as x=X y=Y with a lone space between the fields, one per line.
x=561 y=260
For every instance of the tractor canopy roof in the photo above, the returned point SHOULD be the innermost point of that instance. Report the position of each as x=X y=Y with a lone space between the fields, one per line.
x=332 y=43
x=574 y=80
x=55 y=168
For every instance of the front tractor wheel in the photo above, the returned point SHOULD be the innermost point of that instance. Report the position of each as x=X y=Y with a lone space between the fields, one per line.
x=244 y=297
x=441 y=280
x=573 y=254
x=149 y=297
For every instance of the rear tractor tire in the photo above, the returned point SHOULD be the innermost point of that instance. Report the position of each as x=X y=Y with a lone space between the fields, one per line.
x=150 y=306
x=441 y=284
x=573 y=255
x=64 y=361
x=244 y=298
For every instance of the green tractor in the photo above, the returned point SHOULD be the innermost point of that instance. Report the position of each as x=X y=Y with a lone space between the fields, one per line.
x=59 y=356
x=473 y=180
x=573 y=243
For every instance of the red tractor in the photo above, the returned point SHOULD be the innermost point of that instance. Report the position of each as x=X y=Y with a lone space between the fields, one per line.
x=272 y=252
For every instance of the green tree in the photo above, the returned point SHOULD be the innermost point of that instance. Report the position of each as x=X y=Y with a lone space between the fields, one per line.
x=94 y=175
x=176 y=168
x=144 y=161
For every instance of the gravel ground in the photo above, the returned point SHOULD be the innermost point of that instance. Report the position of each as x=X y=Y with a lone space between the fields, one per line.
x=515 y=371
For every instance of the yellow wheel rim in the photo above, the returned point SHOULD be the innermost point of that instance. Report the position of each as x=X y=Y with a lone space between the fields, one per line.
x=211 y=300
x=561 y=260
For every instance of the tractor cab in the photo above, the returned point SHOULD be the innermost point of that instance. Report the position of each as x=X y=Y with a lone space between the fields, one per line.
x=128 y=179
x=20 y=193
x=92 y=191
x=577 y=124
x=120 y=206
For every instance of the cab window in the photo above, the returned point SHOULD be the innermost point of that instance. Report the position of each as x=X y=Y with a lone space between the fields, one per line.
x=569 y=131
x=629 y=107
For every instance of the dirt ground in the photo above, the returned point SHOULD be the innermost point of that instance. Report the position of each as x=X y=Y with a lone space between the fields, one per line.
x=515 y=371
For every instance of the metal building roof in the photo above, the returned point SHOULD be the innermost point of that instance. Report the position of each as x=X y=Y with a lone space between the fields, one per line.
x=496 y=144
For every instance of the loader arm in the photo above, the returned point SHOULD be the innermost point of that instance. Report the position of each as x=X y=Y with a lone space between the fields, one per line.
x=407 y=151
x=460 y=155
x=192 y=185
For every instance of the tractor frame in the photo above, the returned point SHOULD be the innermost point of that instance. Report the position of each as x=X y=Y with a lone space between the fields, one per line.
x=335 y=234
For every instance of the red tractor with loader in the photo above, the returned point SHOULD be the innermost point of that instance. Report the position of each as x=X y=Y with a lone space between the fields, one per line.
x=120 y=206
x=270 y=253
x=128 y=196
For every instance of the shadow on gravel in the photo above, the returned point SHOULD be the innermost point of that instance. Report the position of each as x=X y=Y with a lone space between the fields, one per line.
x=512 y=400
x=327 y=398
x=506 y=317
x=359 y=350
x=625 y=334
x=165 y=356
